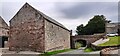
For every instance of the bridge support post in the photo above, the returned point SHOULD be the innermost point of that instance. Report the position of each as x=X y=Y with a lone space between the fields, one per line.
x=88 y=44
x=72 y=44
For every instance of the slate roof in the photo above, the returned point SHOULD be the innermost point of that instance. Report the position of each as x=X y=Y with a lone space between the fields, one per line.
x=50 y=19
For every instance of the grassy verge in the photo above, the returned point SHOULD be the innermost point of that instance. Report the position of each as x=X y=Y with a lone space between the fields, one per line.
x=55 y=52
x=113 y=41
x=88 y=50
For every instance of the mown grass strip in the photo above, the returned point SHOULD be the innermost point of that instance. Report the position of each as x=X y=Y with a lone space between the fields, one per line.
x=55 y=52
x=88 y=50
x=113 y=41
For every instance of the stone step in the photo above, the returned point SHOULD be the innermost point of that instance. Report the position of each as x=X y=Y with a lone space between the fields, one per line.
x=4 y=50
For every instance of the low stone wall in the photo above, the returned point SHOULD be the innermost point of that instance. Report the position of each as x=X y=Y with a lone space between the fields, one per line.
x=94 y=47
x=106 y=52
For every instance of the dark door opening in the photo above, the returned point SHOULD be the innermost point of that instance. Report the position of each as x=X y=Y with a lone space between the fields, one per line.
x=2 y=41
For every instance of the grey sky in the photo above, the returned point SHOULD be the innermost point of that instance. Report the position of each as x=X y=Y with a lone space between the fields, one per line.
x=88 y=8
x=69 y=13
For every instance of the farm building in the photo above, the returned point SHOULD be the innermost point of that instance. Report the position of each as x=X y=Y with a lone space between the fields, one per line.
x=32 y=30
x=3 y=33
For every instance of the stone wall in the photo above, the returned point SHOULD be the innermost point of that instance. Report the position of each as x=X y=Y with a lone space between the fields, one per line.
x=56 y=37
x=27 y=30
x=102 y=47
x=31 y=30
x=4 y=31
x=88 y=38
x=3 y=27
x=107 y=52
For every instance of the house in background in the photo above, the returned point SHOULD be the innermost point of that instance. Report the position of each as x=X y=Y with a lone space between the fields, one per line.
x=3 y=33
x=112 y=27
x=32 y=30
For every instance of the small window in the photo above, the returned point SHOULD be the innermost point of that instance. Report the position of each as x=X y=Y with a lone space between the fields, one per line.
x=52 y=26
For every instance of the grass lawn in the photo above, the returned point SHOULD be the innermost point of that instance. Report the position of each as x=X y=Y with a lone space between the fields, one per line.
x=88 y=50
x=55 y=52
x=113 y=41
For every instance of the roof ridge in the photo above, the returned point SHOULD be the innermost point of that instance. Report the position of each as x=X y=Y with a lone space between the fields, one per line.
x=48 y=18
x=45 y=16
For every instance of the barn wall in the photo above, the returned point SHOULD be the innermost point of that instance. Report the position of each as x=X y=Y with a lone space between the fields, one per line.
x=3 y=31
x=27 y=30
x=56 y=38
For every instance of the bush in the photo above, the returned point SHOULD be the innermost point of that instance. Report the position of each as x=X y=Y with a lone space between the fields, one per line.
x=78 y=45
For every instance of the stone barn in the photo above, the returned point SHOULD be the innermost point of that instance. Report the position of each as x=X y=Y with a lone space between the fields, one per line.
x=113 y=27
x=3 y=33
x=31 y=30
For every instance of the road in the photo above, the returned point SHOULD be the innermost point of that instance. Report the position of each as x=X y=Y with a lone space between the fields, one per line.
x=79 y=52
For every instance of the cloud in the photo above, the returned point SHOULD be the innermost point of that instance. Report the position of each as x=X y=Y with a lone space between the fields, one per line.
x=70 y=14
x=59 y=0
x=76 y=13
x=84 y=9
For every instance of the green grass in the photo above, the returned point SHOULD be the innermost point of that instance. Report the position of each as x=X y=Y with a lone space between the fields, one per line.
x=113 y=41
x=88 y=50
x=55 y=52
x=78 y=45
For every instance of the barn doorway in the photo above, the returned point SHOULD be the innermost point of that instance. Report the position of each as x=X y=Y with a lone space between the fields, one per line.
x=3 y=40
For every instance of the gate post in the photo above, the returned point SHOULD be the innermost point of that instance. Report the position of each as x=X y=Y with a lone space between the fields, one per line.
x=88 y=44
x=72 y=42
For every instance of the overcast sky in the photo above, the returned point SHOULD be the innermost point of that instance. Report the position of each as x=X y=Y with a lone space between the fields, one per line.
x=70 y=13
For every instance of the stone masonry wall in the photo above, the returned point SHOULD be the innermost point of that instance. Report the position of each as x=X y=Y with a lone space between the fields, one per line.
x=3 y=27
x=56 y=38
x=109 y=52
x=3 y=31
x=88 y=38
x=27 y=30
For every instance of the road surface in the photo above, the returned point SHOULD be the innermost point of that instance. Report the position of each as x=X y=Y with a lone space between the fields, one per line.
x=79 y=52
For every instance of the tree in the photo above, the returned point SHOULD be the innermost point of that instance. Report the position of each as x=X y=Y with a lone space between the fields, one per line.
x=95 y=25
x=80 y=29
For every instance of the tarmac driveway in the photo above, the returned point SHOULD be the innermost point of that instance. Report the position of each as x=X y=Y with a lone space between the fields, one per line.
x=79 y=52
